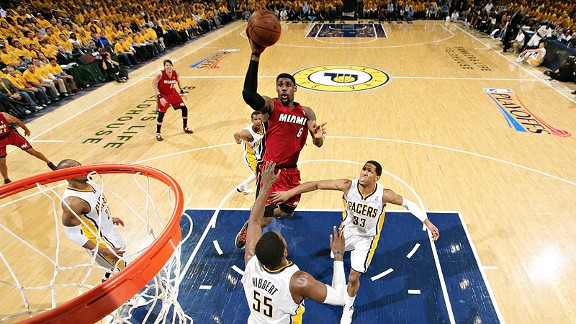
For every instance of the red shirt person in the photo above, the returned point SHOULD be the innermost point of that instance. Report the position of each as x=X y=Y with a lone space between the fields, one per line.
x=287 y=128
x=9 y=136
x=165 y=85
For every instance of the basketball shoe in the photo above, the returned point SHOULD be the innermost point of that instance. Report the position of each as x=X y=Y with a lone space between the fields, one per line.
x=188 y=130
x=243 y=189
x=106 y=276
x=158 y=136
x=240 y=240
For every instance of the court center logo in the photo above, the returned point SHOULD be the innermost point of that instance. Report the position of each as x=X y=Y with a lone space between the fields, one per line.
x=519 y=116
x=341 y=78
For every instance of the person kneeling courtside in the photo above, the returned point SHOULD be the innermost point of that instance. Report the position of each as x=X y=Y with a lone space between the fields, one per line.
x=114 y=70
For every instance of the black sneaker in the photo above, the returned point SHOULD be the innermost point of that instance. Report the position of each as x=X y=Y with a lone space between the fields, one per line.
x=240 y=240
x=7 y=181
x=158 y=137
x=106 y=276
x=188 y=130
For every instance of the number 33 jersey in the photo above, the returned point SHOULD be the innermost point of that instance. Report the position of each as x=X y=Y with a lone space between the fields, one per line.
x=363 y=216
x=268 y=294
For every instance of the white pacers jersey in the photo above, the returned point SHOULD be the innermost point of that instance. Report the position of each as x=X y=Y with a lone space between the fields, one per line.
x=363 y=216
x=268 y=294
x=98 y=221
x=253 y=149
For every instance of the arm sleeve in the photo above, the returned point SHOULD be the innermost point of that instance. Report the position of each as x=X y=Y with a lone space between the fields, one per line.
x=333 y=297
x=251 y=97
x=74 y=233
x=335 y=294
x=414 y=209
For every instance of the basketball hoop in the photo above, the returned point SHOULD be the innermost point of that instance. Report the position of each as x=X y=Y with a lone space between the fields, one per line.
x=106 y=297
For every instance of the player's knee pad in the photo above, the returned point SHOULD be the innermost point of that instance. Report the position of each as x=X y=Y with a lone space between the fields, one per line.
x=160 y=118
x=287 y=211
x=269 y=210
x=184 y=111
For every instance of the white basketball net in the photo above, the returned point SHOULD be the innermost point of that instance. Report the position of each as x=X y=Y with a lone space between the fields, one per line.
x=43 y=271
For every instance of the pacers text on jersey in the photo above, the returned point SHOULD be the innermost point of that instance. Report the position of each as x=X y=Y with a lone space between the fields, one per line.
x=362 y=209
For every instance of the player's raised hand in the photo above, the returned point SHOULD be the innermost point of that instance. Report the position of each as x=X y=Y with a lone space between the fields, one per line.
x=113 y=254
x=337 y=243
x=279 y=197
x=267 y=174
x=117 y=221
x=256 y=49
x=433 y=229
x=319 y=131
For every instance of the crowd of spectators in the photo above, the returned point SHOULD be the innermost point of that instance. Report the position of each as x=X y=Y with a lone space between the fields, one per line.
x=326 y=10
x=45 y=45
x=51 y=49
x=527 y=27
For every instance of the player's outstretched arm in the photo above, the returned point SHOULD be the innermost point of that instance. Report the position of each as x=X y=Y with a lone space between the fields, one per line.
x=243 y=135
x=254 y=231
x=394 y=198
x=13 y=120
x=249 y=92
x=318 y=132
x=303 y=285
x=338 y=184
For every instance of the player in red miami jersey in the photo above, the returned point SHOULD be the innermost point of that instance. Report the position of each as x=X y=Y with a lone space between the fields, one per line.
x=287 y=128
x=9 y=136
x=165 y=84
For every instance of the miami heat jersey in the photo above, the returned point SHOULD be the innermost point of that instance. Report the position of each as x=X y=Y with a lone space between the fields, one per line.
x=167 y=84
x=4 y=126
x=363 y=216
x=268 y=294
x=286 y=134
x=98 y=221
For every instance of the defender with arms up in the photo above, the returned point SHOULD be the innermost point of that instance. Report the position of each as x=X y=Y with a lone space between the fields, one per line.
x=275 y=288
x=363 y=219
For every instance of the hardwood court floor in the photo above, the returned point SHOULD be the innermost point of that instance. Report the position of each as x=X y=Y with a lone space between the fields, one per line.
x=441 y=138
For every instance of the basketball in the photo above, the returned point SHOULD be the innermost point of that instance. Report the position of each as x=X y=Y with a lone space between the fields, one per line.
x=264 y=28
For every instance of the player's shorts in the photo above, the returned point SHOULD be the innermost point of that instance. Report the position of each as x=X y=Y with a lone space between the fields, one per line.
x=107 y=262
x=362 y=250
x=251 y=162
x=288 y=179
x=173 y=99
x=13 y=138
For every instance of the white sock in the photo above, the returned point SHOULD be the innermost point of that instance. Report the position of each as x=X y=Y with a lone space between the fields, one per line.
x=248 y=181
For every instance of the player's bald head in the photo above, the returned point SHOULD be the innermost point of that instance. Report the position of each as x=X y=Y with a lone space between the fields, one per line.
x=67 y=163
